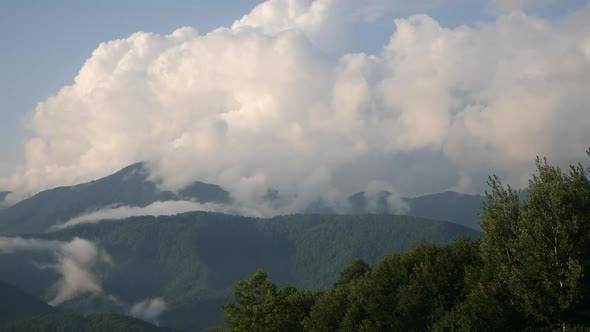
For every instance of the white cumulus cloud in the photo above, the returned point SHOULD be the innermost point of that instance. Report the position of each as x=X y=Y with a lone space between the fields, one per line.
x=260 y=105
x=325 y=22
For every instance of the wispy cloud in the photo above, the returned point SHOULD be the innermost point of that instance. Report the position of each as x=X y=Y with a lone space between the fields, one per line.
x=75 y=263
x=155 y=209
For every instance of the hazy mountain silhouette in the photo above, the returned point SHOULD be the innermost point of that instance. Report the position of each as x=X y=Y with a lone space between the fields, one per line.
x=130 y=186
x=450 y=206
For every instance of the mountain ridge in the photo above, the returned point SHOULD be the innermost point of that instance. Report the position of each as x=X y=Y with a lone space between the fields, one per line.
x=129 y=186
x=449 y=206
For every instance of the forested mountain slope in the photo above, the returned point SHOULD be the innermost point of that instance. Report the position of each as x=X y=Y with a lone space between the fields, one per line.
x=191 y=260
x=16 y=304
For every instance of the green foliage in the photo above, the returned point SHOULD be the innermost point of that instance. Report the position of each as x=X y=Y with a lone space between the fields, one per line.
x=404 y=292
x=530 y=272
x=356 y=270
x=260 y=306
x=536 y=252
x=552 y=243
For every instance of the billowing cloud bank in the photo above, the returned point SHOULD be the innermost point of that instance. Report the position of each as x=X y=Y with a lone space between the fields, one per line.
x=266 y=104
x=75 y=263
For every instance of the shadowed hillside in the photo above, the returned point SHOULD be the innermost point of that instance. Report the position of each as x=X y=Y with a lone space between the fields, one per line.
x=451 y=206
x=70 y=322
x=16 y=304
x=192 y=259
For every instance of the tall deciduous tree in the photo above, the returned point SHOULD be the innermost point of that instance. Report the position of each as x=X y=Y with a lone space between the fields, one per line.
x=538 y=249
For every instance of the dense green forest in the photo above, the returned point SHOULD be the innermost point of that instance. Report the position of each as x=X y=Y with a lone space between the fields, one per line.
x=530 y=272
x=191 y=260
x=71 y=322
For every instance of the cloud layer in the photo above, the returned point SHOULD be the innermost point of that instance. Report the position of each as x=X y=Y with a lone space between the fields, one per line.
x=270 y=103
x=75 y=263
x=155 y=209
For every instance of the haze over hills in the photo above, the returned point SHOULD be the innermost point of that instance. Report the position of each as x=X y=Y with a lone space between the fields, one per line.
x=131 y=187
x=451 y=206
x=20 y=311
x=191 y=260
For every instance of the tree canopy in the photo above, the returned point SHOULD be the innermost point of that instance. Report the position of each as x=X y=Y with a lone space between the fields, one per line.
x=530 y=271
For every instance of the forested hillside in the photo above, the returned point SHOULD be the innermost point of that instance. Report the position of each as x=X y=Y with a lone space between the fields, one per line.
x=16 y=304
x=191 y=260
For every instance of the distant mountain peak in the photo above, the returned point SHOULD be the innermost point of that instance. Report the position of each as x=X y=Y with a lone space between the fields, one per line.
x=137 y=170
x=130 y=186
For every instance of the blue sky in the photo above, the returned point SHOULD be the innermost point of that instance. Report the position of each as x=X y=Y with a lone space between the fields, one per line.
x=45 y=43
